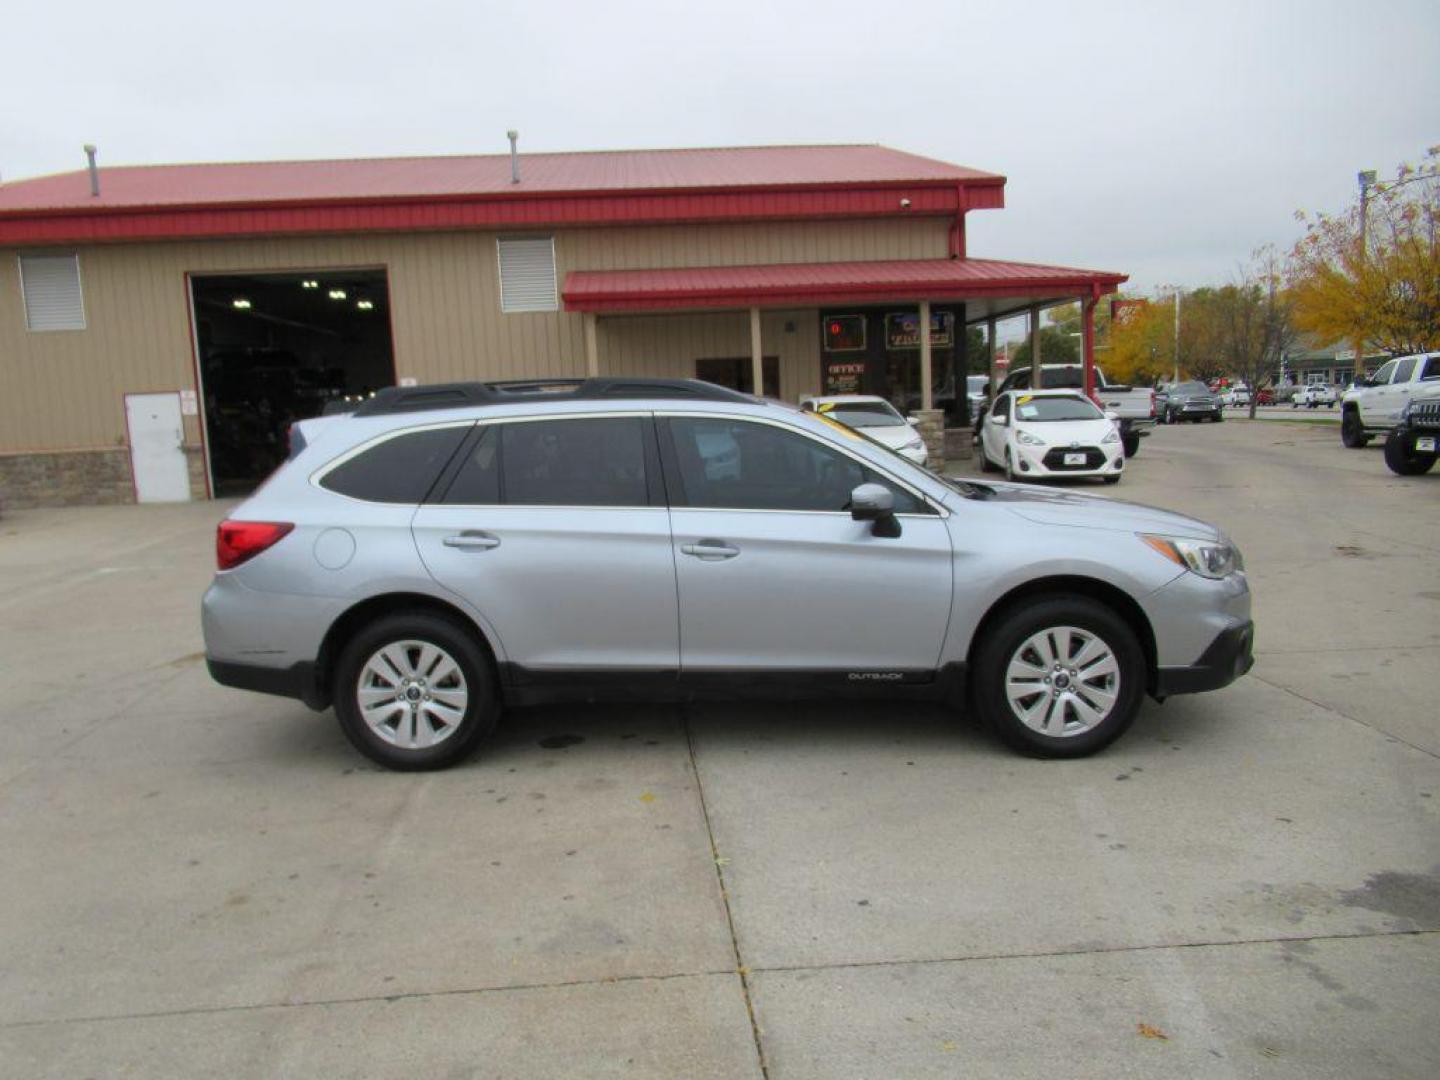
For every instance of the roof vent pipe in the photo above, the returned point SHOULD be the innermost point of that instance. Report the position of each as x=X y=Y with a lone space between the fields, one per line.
x=94 y=172
x=514 y=137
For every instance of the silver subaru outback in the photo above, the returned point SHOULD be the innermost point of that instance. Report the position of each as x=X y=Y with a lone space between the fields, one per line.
x=444 y=551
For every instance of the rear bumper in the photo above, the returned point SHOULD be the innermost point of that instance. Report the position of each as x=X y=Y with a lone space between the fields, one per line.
x=298 y=681
x=1227 y=658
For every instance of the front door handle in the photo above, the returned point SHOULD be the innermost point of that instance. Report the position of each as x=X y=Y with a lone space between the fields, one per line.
x=710 y=550
x=472 y=541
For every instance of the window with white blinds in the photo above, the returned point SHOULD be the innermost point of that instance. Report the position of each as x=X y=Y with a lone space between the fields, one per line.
x=527 y=275
x=51 y=287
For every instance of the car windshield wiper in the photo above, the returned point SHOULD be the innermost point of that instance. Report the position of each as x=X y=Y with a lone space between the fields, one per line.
x=971 y=489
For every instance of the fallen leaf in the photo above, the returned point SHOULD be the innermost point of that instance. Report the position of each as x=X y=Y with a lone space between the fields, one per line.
x=1151 y=1032
x=948 y=1046
x=721 y=860
x=742 y=970
x=647 y=797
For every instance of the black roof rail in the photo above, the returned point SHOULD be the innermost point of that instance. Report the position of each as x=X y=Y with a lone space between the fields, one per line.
x=400 y=399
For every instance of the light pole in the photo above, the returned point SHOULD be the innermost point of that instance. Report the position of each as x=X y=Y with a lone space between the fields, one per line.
x=1367 y=181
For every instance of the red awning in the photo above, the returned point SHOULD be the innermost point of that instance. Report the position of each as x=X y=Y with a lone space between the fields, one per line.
x=1009 y=285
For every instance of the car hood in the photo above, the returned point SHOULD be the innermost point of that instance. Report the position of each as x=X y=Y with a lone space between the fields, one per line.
x=1048 y=506
x=893 y=437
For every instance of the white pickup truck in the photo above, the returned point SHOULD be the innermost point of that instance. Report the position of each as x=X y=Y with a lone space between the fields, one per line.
x=1313 y=396
x=1373 y=406
x=1134 y=406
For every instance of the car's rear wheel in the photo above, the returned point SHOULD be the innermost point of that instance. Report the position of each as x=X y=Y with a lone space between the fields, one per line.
x=1403 y=459
x=414 y=690
x=1352 y=432
x=1059 y=676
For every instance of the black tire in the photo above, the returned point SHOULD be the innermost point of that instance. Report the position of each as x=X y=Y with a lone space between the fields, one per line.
x=1352 y=432
x=986 y=465
x=1403 y=459
x=1219 y=417
x=1010 y=474
x=482 y=708
x=1004 y=638
x=1131 y=443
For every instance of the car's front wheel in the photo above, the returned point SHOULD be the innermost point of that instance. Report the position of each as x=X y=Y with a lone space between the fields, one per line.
x=1131 y=443
x=414 y=690
x=1402 y=459
x=1059 y=676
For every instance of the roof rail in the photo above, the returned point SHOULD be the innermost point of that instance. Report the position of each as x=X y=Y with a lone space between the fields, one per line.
x=399 y=399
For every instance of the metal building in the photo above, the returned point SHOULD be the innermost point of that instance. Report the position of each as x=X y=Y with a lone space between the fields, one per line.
x=161 y=325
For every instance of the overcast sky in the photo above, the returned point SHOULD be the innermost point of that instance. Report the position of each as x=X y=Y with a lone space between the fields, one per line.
x=1164 y=140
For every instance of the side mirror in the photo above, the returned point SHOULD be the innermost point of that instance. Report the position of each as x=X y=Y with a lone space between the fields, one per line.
x=1111 y=414
x=913 y=421
x=1000 y=421
x=875 y=503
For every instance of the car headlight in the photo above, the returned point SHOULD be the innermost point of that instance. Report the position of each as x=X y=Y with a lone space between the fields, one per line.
x=1113 y=437
x=1024 y=438
x=1208 y=558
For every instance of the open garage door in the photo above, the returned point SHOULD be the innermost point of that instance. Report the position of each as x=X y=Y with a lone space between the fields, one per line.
x=275 y=348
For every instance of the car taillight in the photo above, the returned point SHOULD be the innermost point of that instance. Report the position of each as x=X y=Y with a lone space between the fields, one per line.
x=1152 y=404
x=239 y=541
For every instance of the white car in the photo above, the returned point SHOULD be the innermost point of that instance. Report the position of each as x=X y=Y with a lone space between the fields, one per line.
x=1313 y=396
x=1047 y=433
x=875 y=417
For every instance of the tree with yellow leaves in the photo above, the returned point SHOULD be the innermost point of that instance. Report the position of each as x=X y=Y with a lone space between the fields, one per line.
x=1386 y=291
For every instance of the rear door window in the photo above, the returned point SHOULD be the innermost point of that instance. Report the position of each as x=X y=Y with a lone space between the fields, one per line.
x=478 y=481
x=582 y=462
x=1405 y=370
x=400 y=469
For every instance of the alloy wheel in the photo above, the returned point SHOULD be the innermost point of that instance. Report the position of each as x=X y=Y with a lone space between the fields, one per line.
x=412 y=694
x=1062 y=681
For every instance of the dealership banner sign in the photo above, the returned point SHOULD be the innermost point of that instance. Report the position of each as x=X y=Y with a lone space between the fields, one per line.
x=902 y=329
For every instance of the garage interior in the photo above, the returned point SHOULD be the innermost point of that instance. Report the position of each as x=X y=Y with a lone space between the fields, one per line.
x=275 y=348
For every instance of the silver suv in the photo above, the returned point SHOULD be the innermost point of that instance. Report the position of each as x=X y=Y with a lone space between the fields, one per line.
x=447 y=550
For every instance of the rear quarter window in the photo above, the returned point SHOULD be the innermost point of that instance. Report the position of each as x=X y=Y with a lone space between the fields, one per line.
x=401 y=469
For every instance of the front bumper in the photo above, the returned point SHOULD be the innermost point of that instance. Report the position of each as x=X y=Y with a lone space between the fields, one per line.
x=1227 y=658
x=1030 y=461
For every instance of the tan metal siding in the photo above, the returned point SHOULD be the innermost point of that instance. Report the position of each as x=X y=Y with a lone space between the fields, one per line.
x=65 y=389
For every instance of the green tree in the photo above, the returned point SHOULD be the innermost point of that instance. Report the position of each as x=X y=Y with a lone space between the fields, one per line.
x=1056 y=347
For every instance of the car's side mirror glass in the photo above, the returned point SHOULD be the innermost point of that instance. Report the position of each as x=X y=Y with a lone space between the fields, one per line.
x=875 y=503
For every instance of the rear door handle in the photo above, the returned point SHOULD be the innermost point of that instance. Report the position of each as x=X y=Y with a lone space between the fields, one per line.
x=710 y=550
x=472 y=541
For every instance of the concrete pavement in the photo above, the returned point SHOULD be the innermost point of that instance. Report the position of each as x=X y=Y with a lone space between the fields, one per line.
x=200 y=881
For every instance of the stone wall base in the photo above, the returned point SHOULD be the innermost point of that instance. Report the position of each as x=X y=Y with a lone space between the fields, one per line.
x=80 y=478
x=932 y=429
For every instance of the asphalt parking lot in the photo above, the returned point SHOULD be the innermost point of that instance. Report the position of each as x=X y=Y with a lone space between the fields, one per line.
x=200 y=881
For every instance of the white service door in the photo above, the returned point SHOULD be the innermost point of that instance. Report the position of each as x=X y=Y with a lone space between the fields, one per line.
x=157 y=447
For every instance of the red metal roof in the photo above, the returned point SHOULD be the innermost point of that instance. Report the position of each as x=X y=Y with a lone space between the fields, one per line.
x=810 y=283
x=269 y=182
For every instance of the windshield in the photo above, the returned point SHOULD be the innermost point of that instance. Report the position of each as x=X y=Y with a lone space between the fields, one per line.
x=862 y=414
x=1190 y=388
x=1042 y=409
